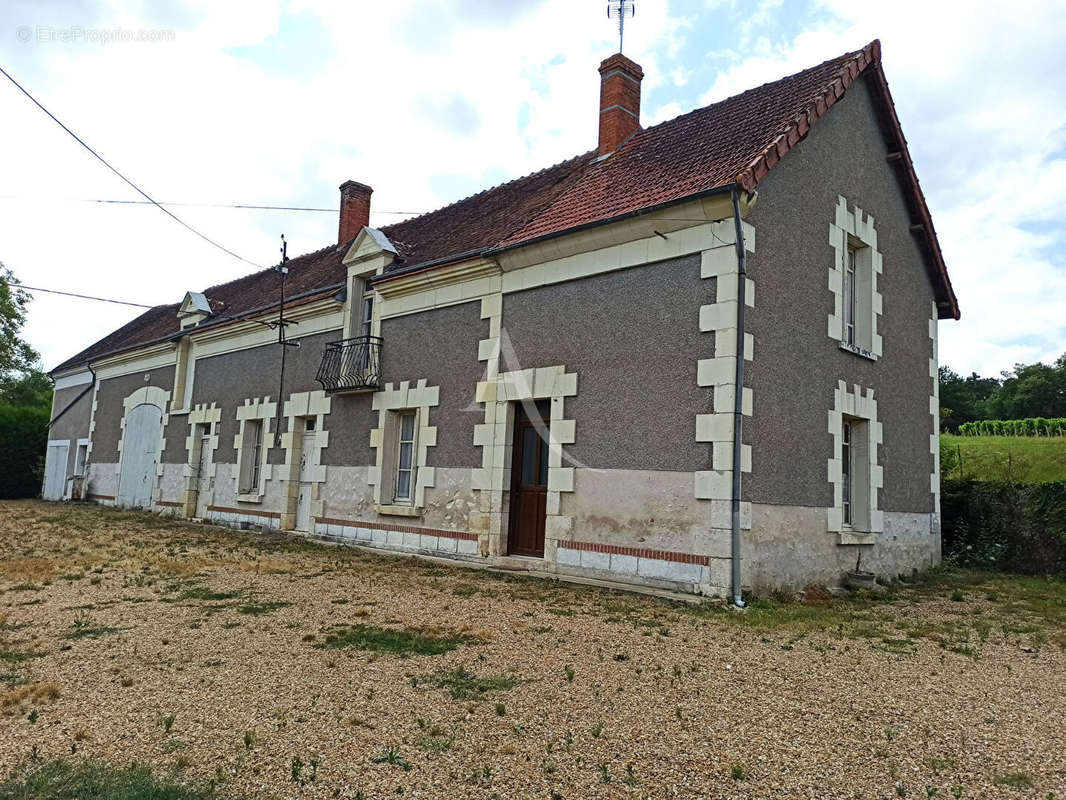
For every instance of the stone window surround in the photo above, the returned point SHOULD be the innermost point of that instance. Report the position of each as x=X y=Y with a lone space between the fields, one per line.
x=301 y=405
x=263 y=411
x=861 y=406
x=855 y=225
x=419 y=398
x=152 y=396
x=201 y=414
x=716 y=485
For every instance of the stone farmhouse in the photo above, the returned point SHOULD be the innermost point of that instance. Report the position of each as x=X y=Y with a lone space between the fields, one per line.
x=700 y=357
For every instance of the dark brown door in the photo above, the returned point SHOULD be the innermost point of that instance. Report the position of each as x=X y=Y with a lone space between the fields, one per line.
x=529 y=482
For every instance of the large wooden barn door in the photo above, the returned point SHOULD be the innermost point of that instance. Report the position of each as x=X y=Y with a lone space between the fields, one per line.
x=140 y=454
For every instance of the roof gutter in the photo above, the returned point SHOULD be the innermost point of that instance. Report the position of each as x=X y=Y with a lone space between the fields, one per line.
x=738 y=401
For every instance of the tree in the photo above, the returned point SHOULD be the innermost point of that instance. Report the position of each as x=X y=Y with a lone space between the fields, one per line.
x=31 y=388
x=15 y=354
x=966 y=397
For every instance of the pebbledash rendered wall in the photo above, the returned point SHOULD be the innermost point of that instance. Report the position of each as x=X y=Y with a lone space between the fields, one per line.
x=797 y=367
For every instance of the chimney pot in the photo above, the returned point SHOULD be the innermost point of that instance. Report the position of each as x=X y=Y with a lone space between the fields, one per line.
x=355 y=210
x=620 y=79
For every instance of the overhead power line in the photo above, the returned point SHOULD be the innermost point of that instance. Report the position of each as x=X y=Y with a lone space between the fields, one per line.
x=138 y=189
x=195 y=205
x=74 y=294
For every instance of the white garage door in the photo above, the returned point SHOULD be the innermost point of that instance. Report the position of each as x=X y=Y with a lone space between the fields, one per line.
x=55 y=471
x=140 y=454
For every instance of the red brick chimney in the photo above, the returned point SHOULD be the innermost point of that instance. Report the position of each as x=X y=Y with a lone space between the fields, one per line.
x=619 y=101
x=355 y=210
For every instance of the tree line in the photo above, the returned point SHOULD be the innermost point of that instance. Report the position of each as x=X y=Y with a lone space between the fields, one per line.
x=25 y=397
x=1029 y=391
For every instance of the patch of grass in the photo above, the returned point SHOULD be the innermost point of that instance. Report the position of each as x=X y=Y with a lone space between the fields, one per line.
x=1015 y=780
x=465 y=685
x=395 y=641
x=67 y=780
x=18 y=656
x=204 y=594
x=1028 y=459
x=258 y=609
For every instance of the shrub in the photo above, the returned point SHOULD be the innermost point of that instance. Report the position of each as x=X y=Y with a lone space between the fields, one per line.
x=24 y=432
x=1005 y=526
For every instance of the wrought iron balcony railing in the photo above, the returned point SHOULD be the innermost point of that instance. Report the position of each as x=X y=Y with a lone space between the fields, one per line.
x=351 y=365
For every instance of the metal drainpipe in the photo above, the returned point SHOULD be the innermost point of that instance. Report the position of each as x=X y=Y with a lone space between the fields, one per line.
x=738 y=399
x=81 y=394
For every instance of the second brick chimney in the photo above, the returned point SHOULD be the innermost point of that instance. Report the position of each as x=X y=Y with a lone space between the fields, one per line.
x=355 y=210
x=620 y=80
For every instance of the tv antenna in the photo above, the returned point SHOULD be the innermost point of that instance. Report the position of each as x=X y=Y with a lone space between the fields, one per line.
x=620 y=9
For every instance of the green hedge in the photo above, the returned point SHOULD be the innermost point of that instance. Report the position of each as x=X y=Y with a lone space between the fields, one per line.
x=24 y=437
x=1031 y=426
x=1016 y=527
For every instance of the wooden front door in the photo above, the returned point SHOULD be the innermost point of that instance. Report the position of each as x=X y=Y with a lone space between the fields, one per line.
x=529 y=482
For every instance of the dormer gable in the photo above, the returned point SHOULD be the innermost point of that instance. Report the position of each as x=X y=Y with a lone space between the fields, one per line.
x=371 y=252
x=193 y=310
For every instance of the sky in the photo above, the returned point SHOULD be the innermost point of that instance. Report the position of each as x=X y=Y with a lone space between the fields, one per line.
x=277 y=102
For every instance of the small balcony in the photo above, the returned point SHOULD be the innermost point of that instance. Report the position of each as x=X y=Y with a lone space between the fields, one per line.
x=351 y=365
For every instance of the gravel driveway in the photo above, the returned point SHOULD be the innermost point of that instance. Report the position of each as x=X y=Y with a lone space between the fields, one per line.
x=283 y=668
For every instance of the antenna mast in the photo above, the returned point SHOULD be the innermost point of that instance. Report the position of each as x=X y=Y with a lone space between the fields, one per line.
x=620 y=9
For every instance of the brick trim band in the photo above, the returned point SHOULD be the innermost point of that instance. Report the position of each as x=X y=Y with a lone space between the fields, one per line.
x=251 y=512
x=380 y=526
x=92 y=496
x=168 y=503
x=639 y=552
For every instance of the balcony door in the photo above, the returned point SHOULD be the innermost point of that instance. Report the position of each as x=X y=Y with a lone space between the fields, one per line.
x=529 y=481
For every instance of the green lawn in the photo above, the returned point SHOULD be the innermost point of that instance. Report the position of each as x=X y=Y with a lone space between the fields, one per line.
x=1029 y=459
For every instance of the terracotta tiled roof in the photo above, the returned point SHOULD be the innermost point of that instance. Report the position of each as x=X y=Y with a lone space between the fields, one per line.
x=733 y=142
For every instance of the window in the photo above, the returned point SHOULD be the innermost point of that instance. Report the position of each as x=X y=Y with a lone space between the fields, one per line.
x=405 y=457
x=368 y=314
x=251 y=456
x=81 y=454
x=849 y=296
x=853 y=279
x=855 y=474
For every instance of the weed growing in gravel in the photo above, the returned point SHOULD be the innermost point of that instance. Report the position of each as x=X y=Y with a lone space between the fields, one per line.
x=596 y=730
x=392 y=756
x=397 y=642
x=167 y=722
x=258 y=609
x=249 y=739
x=297 y=774
x=465 y=685
x=569 y=670
x=739 y=772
